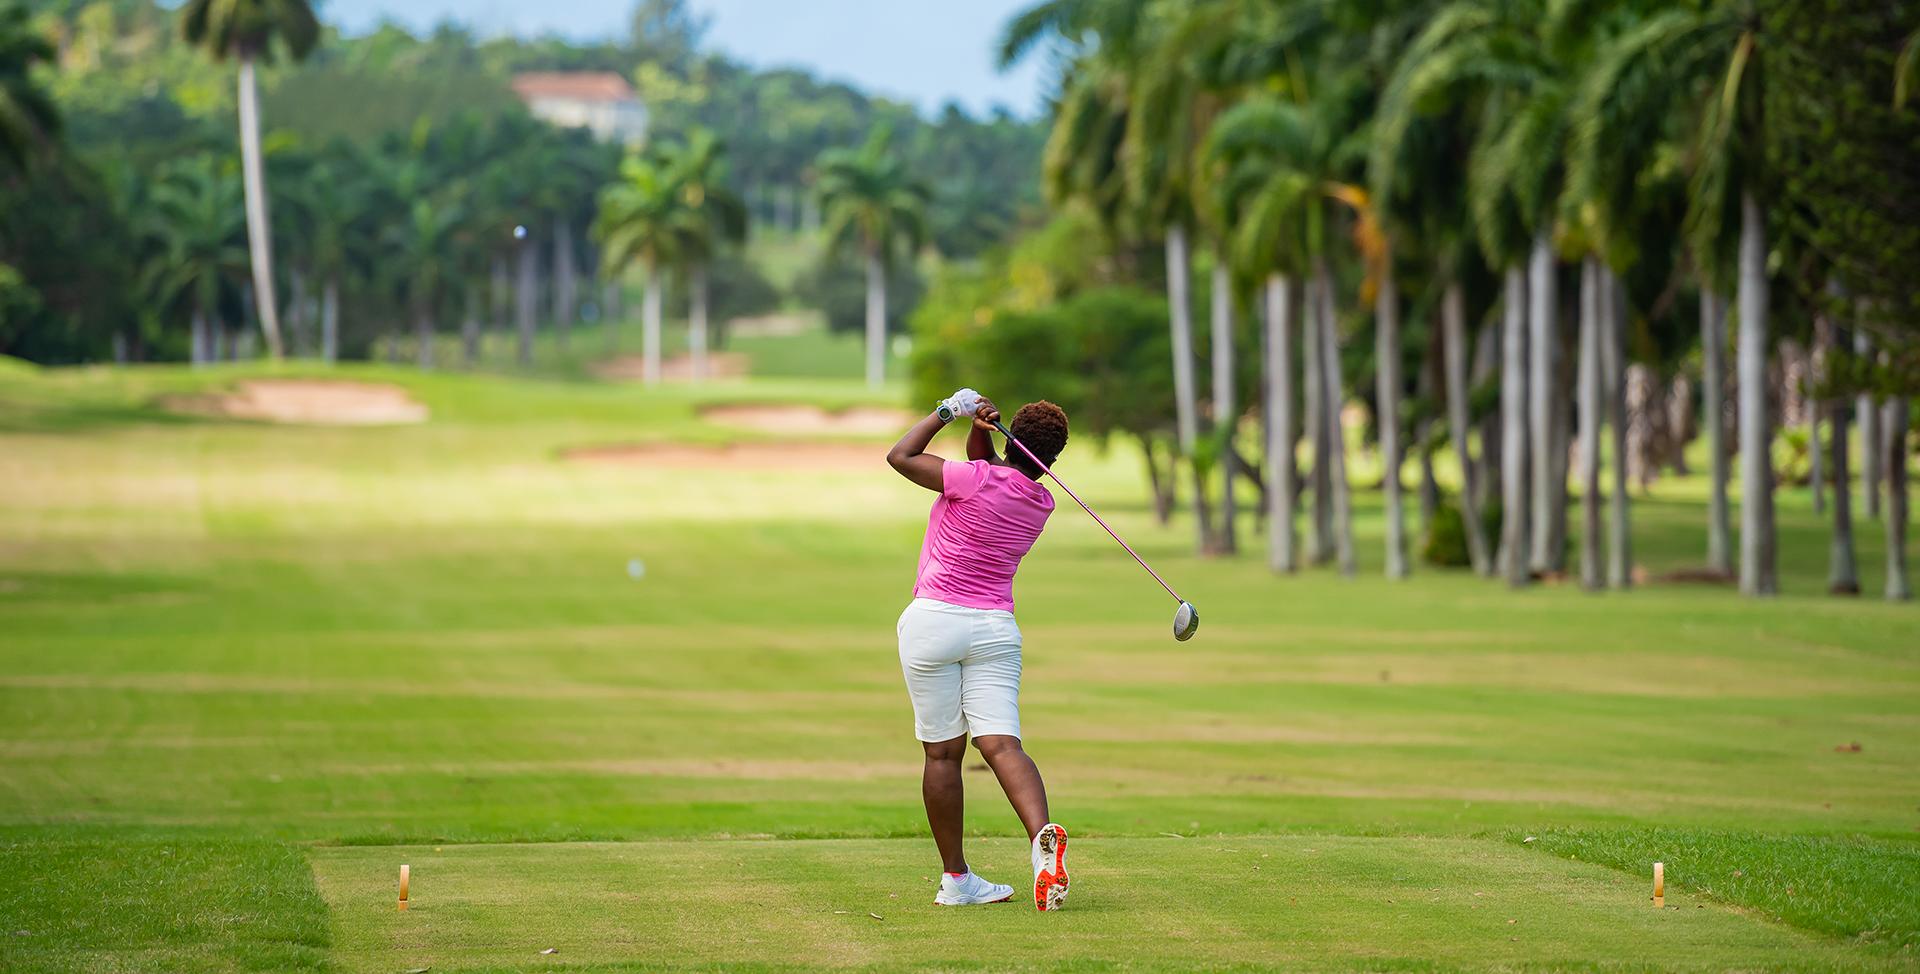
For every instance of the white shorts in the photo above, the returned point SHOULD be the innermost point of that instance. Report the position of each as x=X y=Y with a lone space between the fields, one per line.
x=963 y=670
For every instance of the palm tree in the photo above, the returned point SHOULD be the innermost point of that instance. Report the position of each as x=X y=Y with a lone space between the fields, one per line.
x=1167 y=118
x=721 y=219
x=426 y=249
x=644 y=219
x=1486 y=63
x=1122 y=140
x=27 y=114
x=333 y=197
x=1616 y=171
x=1843 y=574
x=1417 y=149
x=1698 y=67
x=1503 y=59
x=874 y=203
x=194 y=221
x=1713 y=399
x=1867 y=408
x=566 y=197
x=1333 y=388
x=1589 y=394
x=1513 y=425
x=504 y=194
x=1253 y=153
x=1280 y=159
x=1611 y=330
x=1898 y=587
x=245 y=31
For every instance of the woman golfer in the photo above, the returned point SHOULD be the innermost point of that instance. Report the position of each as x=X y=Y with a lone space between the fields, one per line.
x=959 y=646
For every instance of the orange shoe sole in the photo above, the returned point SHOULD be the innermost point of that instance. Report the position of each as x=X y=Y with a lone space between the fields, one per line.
x=1050 y=887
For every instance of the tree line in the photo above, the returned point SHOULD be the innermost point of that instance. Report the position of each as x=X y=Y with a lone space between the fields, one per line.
x=1519 y=228
x=131 y=89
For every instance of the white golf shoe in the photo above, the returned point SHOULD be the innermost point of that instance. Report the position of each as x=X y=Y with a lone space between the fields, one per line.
x=1050 y=867
x=970 y=890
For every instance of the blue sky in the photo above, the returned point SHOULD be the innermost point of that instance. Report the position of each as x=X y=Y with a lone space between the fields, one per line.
x=921 y=51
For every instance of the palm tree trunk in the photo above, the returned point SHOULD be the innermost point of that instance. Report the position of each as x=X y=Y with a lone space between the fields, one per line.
x=1180 y=313
x=199 y=343
x=1681 y=420
x=1843 y=573
x=525 y=294
x=500 y=296
x=1560 y=416
x=1543 y=339
x=1161 y=484
x=1429 y=482
x=1816 y=475
x=1224 y=413
x=1589 y=391
x=1386 y=357
x=1756 y=460
x=259 y=230
x=610 y=310
x=1453 y=324
x=330 y=321
x=470 y=326
x=566 y=291
x=1334 y=386
x=423 y=337
x=1612 y=335
x=1513 y=430
x=697 y=313
x=1280 y=499
x=1713 y=376
x=650 y=327
x=876 y=319
x=1486 y=365
x=297 y=313
x=1320 y=523
x=1898 y=588
x=1426 y=389
x=1869 y=412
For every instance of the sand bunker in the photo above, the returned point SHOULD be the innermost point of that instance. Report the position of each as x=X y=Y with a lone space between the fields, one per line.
x=679 y=368
x=779 y=324
x=730 y=456
x=769 y=418
x=319 y=402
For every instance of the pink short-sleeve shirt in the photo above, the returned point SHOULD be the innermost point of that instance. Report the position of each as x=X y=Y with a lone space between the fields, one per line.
x=986 y=519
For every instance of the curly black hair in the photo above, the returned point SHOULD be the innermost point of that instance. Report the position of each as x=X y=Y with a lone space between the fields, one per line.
x=1042 y=427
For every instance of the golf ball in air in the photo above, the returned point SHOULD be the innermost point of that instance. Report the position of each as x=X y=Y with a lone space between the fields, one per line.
x=636 y=569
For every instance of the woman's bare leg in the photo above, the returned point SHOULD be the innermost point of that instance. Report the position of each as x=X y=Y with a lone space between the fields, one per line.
x=940 y=788
x=1018 y=778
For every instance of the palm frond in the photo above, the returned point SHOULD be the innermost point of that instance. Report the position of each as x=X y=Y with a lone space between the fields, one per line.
x=1906 y=70
x=1629 y=102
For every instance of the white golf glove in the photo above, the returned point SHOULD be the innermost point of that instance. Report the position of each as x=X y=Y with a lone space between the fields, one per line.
x=966 y=402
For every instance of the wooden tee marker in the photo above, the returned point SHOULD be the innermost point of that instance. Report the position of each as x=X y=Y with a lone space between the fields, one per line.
x=405 y=872
x=1659 y=886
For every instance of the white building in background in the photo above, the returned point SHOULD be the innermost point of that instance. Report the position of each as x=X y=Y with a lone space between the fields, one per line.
x=600 y=101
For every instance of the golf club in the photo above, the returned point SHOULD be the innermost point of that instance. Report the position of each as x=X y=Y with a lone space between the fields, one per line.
x=1186 y=619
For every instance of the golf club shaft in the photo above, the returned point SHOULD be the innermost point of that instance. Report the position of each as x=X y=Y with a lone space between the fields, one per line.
x=1083 y=506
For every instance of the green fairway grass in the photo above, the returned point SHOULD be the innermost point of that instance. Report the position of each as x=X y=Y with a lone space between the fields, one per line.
x=246 y=670
x=1299 y=902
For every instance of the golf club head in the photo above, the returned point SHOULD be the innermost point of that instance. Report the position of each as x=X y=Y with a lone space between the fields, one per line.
x=1186 y=621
